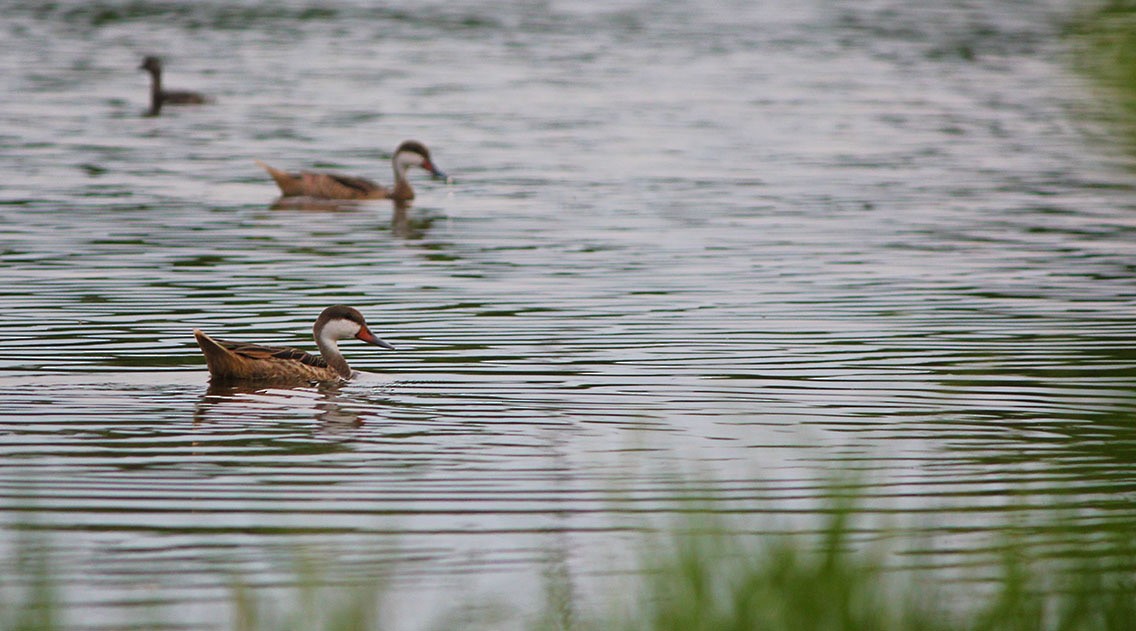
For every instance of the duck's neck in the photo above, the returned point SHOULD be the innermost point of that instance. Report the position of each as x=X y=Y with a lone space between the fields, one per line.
x=402 y=190
x=155 y=92
x=329 y=350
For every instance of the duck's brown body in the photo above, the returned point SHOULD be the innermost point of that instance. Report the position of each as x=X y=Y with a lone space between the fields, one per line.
x=239 y=361
x=410 y=153
x=334 y=186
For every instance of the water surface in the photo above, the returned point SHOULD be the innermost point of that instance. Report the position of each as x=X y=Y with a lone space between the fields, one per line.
x=753 y=245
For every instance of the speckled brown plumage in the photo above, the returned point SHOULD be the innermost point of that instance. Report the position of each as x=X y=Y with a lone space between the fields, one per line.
x=241 y=361
x=326 y=185
x=337 y=186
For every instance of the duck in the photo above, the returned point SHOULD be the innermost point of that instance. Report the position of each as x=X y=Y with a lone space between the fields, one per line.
x=160 y=97
x=410 y=153
x=241 y=361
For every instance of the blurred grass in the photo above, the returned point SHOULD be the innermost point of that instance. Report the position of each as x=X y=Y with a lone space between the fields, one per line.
x=708 y=572
x=31 y=605
x=728 y=582
x=711 y=580
x=1105 y=45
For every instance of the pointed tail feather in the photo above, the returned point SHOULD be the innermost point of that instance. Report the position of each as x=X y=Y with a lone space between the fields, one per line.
x=289 y=184
x=220 y=361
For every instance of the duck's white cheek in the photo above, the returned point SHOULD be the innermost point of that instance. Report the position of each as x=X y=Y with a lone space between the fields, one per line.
x=340 y=329
x=407 y=160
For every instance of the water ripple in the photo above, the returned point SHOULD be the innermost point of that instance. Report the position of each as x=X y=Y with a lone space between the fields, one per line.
x=731 y=252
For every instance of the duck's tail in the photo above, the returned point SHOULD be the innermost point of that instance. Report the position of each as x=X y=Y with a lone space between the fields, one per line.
x=289 y=184
x=220 y=361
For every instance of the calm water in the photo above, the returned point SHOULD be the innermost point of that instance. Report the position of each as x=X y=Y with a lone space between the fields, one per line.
x=746 y=243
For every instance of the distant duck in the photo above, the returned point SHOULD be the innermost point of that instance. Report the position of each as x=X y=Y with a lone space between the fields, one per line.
x=239 y=361
x=335 y=186
x=160 y=97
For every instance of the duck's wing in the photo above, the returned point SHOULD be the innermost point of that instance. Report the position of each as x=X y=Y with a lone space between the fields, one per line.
x=337 y=186
x=325 y=185
x=256 y=352
x=240 y=360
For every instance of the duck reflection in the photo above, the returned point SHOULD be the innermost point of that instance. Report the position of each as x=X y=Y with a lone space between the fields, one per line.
x=407 y=227
x=316 y=204
x=320 y=401
x=403 y=223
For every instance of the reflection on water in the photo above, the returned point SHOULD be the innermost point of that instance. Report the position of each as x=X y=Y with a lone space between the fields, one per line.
x=742 y=243
x=406 y=226
x=321 y=401
x=404 y=222
x=315 y=204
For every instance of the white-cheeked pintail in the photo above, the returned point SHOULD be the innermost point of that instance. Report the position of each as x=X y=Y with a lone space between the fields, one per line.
x=239 y=361
x=335 y=186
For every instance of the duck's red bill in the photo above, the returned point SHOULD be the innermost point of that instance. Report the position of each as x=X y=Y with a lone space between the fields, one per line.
x=371 y=338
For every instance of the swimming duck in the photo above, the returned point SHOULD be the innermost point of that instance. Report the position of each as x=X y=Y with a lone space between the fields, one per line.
x=239 y=361
x=160 y=97
x=335 y=186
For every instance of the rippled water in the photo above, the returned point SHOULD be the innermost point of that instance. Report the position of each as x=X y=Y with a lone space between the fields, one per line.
x=748 y=243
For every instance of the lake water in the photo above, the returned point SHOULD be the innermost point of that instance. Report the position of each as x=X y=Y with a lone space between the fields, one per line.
x=756 y=245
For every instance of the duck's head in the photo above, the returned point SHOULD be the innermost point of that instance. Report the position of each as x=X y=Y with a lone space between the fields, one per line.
x=151 y=64
x=341 y=322
x=412 y=153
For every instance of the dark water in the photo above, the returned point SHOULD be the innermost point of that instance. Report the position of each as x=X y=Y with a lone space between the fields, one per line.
x=739 y=242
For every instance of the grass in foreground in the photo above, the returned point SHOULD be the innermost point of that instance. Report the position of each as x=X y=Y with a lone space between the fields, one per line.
x=706 y=577
x=1105 y=41
x=727 y=582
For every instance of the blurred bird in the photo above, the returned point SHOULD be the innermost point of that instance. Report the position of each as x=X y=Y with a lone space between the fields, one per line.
x=335 y=186
x=160 y=97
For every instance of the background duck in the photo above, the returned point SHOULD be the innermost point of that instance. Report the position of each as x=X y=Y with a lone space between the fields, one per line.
x=240 y=361
x=410 y=153
x=160 y=97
